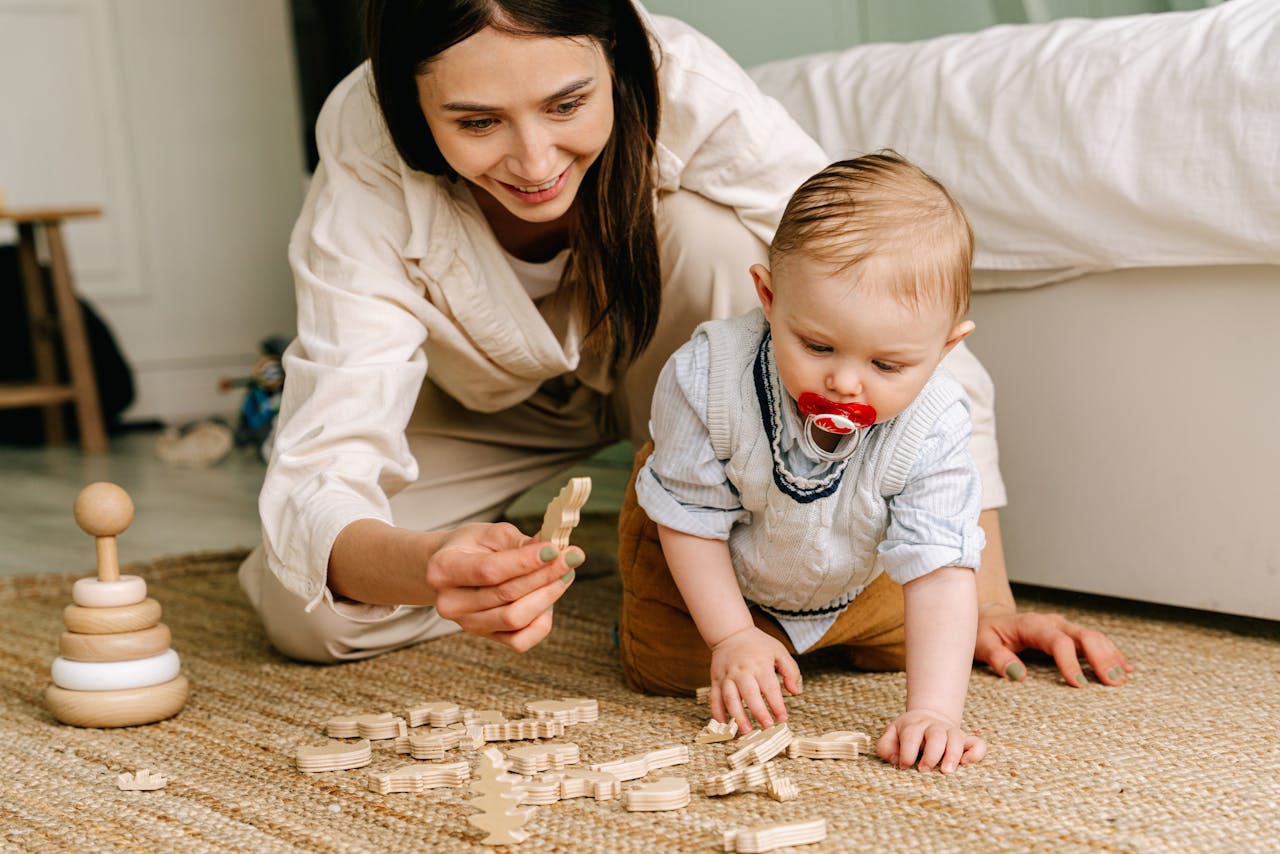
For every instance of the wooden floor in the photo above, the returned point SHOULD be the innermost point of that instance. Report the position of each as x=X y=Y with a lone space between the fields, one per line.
x=176 y=510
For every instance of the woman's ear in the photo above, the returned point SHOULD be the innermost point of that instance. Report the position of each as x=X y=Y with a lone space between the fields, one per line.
x=959 y=332
x=764 y=287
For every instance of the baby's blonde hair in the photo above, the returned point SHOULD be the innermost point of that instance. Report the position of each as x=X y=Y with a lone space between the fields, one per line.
x=882 y=210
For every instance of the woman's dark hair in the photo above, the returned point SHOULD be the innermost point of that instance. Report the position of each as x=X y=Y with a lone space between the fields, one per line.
x=613 y=274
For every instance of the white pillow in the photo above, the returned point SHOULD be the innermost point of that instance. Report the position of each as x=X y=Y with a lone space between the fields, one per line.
x=1077 y=145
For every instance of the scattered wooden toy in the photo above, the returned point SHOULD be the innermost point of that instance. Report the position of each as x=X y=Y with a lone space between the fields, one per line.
x=419 y=778
x=116 y=667
x=778 y=786
x=737 y=780
x=497 y=796
x=716 y=732
x=665 y=793
x=761 y=745
x=482 y=716
x=636 y=766
x=334 y=756
x=534 y=758
x=373 y=726
x=520 y=730
x=438 y=714
x=569 y=711
x=563 y=512
x=432 y=744
x=767 y=837
x=141 y=781
x=585 y=783
x=840 y=744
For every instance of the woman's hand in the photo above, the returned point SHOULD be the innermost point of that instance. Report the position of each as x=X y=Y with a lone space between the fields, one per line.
x=1003 y=632
x=742 y=678
x=932 y=738
x=497 y=583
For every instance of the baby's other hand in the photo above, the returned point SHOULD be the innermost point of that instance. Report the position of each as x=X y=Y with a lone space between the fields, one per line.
x=932 y=738
x=742 y=678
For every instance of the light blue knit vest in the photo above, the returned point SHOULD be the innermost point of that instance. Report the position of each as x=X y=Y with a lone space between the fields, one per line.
x=810 y=545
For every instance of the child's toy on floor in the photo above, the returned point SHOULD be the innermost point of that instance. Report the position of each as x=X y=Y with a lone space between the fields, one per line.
x=767 y=837
x=116 y=667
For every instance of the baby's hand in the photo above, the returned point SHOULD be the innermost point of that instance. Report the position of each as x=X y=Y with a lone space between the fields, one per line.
x=742 y=680
x=936 y=740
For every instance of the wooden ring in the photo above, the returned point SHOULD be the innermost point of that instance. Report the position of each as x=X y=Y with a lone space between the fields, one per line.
x=106 y=621
x=92 y=593
x=121 y=646
x=115 y=675
x=118 y=708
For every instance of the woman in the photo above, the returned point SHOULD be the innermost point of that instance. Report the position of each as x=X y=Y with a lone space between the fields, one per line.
x=521 y=210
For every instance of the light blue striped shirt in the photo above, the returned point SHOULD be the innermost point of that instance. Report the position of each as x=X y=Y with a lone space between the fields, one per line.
x=933 y=522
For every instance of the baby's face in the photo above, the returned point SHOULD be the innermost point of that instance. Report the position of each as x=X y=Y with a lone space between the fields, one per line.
x=851 y=343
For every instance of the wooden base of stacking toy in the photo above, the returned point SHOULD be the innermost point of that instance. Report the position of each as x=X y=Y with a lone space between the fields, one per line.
x=130 y=707
x=116 y=667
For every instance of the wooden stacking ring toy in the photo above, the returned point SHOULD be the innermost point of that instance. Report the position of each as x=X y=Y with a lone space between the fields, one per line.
x=116 y=667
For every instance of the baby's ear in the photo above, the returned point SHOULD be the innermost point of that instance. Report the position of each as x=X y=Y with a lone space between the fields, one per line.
x=959 y=332
x=764 y=287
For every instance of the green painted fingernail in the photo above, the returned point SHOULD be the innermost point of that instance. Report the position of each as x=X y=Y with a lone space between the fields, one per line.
x=1080 y=680
x=1115 y=672
x=548 y=553
x=1015 y=671
x=574 y=557
x=567 y=578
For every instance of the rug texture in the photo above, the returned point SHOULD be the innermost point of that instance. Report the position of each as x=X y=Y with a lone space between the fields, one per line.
x=1184 y=758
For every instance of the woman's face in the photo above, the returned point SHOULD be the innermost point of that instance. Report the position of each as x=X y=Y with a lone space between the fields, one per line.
x=520 y=117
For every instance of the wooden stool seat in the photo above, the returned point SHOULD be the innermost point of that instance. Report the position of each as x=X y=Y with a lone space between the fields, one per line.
x=48 y=391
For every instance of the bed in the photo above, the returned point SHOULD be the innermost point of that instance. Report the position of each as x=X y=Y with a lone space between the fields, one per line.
x=1123 y=179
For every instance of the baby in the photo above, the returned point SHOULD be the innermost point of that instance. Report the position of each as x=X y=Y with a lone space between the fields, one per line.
x=809 y=477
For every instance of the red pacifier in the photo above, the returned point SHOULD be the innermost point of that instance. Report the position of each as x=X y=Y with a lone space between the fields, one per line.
x=840 y=419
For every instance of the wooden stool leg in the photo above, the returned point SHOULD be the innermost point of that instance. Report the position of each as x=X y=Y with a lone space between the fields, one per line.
x=93 y=437
x=46 y=362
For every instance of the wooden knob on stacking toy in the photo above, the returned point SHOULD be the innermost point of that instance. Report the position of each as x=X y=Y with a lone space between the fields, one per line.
x=116 y=668
x=103 y=510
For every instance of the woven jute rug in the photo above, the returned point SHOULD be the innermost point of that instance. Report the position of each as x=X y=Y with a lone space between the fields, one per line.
x=1184 y=758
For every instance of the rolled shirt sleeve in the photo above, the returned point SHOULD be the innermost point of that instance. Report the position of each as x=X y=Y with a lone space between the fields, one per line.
x=933 y=521
x=682 y=485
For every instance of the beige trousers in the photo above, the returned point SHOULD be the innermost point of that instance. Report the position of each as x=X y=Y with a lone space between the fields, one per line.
x=473 y=466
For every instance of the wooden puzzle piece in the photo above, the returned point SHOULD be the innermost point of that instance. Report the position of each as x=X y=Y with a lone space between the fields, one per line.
x=433 y=743
x=585 y=783
x=482 y=716
x=520 y=730
x=438 y=714
x=141 y=781
x=716 y=732
x=665 y=793
x=569 y=711
x=334 y=756
x=377 y=726
x=761 y=745
x=563 y=512
x=542 y=791
x=636 y=766
x=840 y=744
x=767 y=837
x=419 y=778
x=497 y=796
x=779 y=786
x=534 y=758
x=737 y=780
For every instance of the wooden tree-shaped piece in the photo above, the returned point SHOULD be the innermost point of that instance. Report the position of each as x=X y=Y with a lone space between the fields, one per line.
x=562 y=514
x=497 y=794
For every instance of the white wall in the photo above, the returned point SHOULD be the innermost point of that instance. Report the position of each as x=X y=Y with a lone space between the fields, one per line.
x=180 y=119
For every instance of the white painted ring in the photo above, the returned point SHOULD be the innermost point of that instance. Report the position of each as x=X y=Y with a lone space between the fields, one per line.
x=92 y=593
x=115 y=675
